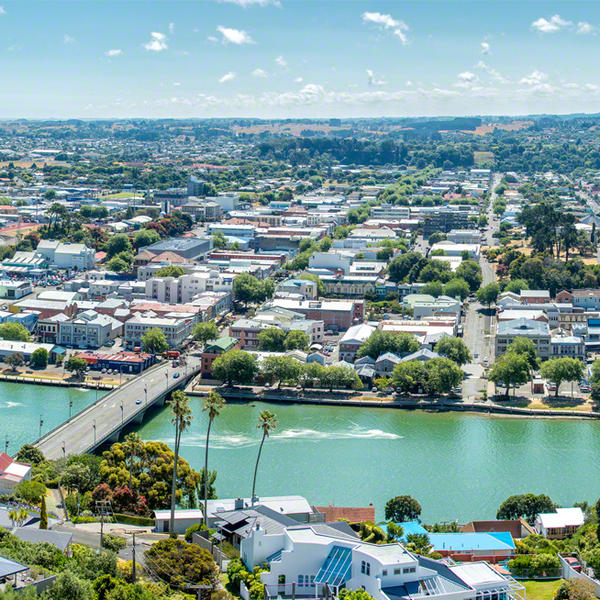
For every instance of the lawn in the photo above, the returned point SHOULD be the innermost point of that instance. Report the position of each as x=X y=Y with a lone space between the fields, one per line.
x=540 y=590
x=122 y=196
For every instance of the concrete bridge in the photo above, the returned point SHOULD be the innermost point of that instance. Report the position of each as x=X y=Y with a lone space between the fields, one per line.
x=104 y=420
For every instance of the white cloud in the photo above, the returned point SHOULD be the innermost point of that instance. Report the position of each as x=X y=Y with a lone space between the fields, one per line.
x=259 y=73
x=114 y=52
x=584 y=28
x=299 y=79
x=467 y=76
x=171 y=27
x=552 y=25
x=281 y=61
x=373 y=80
x=2 y=11
x=212 y=38
x=247 y=3
x=176 y=83
x=227 y=77
x=157 y=43
x=399 y=28
x=491 y=72
x=67 y=39
x=485 y=48
x=534 y=78
x=234 y=36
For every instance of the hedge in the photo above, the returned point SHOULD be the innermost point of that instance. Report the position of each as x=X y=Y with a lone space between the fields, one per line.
x=133 y=520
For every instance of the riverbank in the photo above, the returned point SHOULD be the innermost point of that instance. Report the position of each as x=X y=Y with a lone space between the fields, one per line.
x=362 y=399
x=34 y=379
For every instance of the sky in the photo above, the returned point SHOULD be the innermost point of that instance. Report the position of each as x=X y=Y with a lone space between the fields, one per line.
x=297 y=58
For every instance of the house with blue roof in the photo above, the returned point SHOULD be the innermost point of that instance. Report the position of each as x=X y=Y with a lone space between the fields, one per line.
x=492 y=546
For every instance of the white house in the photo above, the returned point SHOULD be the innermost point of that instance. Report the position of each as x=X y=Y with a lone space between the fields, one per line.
x=559 y=524
x=317 y=560
x=12 y=473
x=66 y=256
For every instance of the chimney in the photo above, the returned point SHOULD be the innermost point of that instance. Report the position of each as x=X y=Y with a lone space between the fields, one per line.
x=239 y=503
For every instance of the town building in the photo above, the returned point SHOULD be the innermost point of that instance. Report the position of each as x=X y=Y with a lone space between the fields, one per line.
x=353 y=339
x=538 y=332
x=176 y=330
x=560 y=524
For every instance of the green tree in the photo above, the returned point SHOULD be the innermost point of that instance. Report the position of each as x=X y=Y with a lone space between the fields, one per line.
x=145 y=237
x=247 y=288
x=204 y=332
x=170 y=271
x=181 y=417
x=267 y=422
x=76 y=365
x=117 y=244
x=457 y=288
x=510 y=370
x=525 y=347
x=43 y=514
x=235 y=366
x=31 y=492
x=39 y=358
x=488 y=294
x=470 y=271
x=358 y=594
x=155 y=341
x=401 y=509
x=453 y=348
x=213 y=405
x=15 y=332
x=442 y=375
x=296 y=340
x=341 y=377
x=272 y=339
x=410 y=376
x=516 y=285
x=562 y=369
x=181 y=564
x=118 y=264
x=380 y=342
x=219 y=240
x=68 y=585
x=433 y=288
x=283 y=369
x=526 y=506
x=30 y=454
x=14 y=360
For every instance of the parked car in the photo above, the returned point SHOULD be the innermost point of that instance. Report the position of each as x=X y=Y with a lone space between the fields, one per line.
x=573 y=563
x=175 y=375
x=551 y=386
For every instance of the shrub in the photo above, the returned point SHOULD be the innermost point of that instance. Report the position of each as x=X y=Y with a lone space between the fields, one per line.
x=190 y=530
x=113 y=542
x=133 y=520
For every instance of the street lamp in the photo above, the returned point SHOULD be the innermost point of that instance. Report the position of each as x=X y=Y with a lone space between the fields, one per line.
x=70 y=409
x=94 y=426
x=121 y=412
x=146 y=394
x=41 y=424
x=167 y=381
x=64 y=449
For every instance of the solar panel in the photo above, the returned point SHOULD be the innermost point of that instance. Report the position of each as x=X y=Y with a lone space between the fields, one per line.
x=337 y=566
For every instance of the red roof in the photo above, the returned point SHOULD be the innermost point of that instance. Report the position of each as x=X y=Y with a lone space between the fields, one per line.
x=352 y=514
x=5 y=461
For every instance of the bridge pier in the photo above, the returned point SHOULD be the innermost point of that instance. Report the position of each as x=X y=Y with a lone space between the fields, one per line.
x=114 y=436
x=139 y=417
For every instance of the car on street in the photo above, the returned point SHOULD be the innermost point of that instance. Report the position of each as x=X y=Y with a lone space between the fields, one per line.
x=175 y=375
x=138 y=401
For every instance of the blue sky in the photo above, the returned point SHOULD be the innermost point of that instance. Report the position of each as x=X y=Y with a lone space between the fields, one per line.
x=297 y=58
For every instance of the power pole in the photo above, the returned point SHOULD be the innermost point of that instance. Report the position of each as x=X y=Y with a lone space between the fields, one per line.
x=133 y=557
x=104 y=509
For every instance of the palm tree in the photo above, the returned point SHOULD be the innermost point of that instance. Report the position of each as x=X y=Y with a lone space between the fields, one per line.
x=267 y=421
x=18 y=517
x=213 y=404
x=182 y=419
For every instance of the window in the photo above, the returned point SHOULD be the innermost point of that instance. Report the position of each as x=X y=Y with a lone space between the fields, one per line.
x=301 y=580
x=312 y=581
x=409 y=570
x=397 y=571
x=363 y=566
x=384 y=572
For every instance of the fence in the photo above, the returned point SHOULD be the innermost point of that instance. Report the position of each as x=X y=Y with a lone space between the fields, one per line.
x=217 y=554
x=568 y=572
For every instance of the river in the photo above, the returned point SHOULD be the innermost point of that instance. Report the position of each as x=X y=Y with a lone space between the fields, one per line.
x=459 y=466
x=22 y=405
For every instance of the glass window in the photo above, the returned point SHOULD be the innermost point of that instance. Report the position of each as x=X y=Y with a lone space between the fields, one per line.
x=301 y=580
x=384 y=572
x=368 y=568
x=397 y=571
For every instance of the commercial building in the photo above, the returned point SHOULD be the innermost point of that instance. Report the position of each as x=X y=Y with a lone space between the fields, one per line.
x=88 y=330
x=122 y=362
x=352 y=340
x=189 y=248
x=13 y=290
x=176 y=330
x=66 y=256
x=214 y=349
x=538 y=332
x=336 y=315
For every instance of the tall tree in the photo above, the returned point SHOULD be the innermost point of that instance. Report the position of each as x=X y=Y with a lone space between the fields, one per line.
x=213 y=405
x=267 y=421
x=182 y=419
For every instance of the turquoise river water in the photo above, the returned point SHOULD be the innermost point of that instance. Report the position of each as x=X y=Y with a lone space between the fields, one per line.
x=459 y=466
